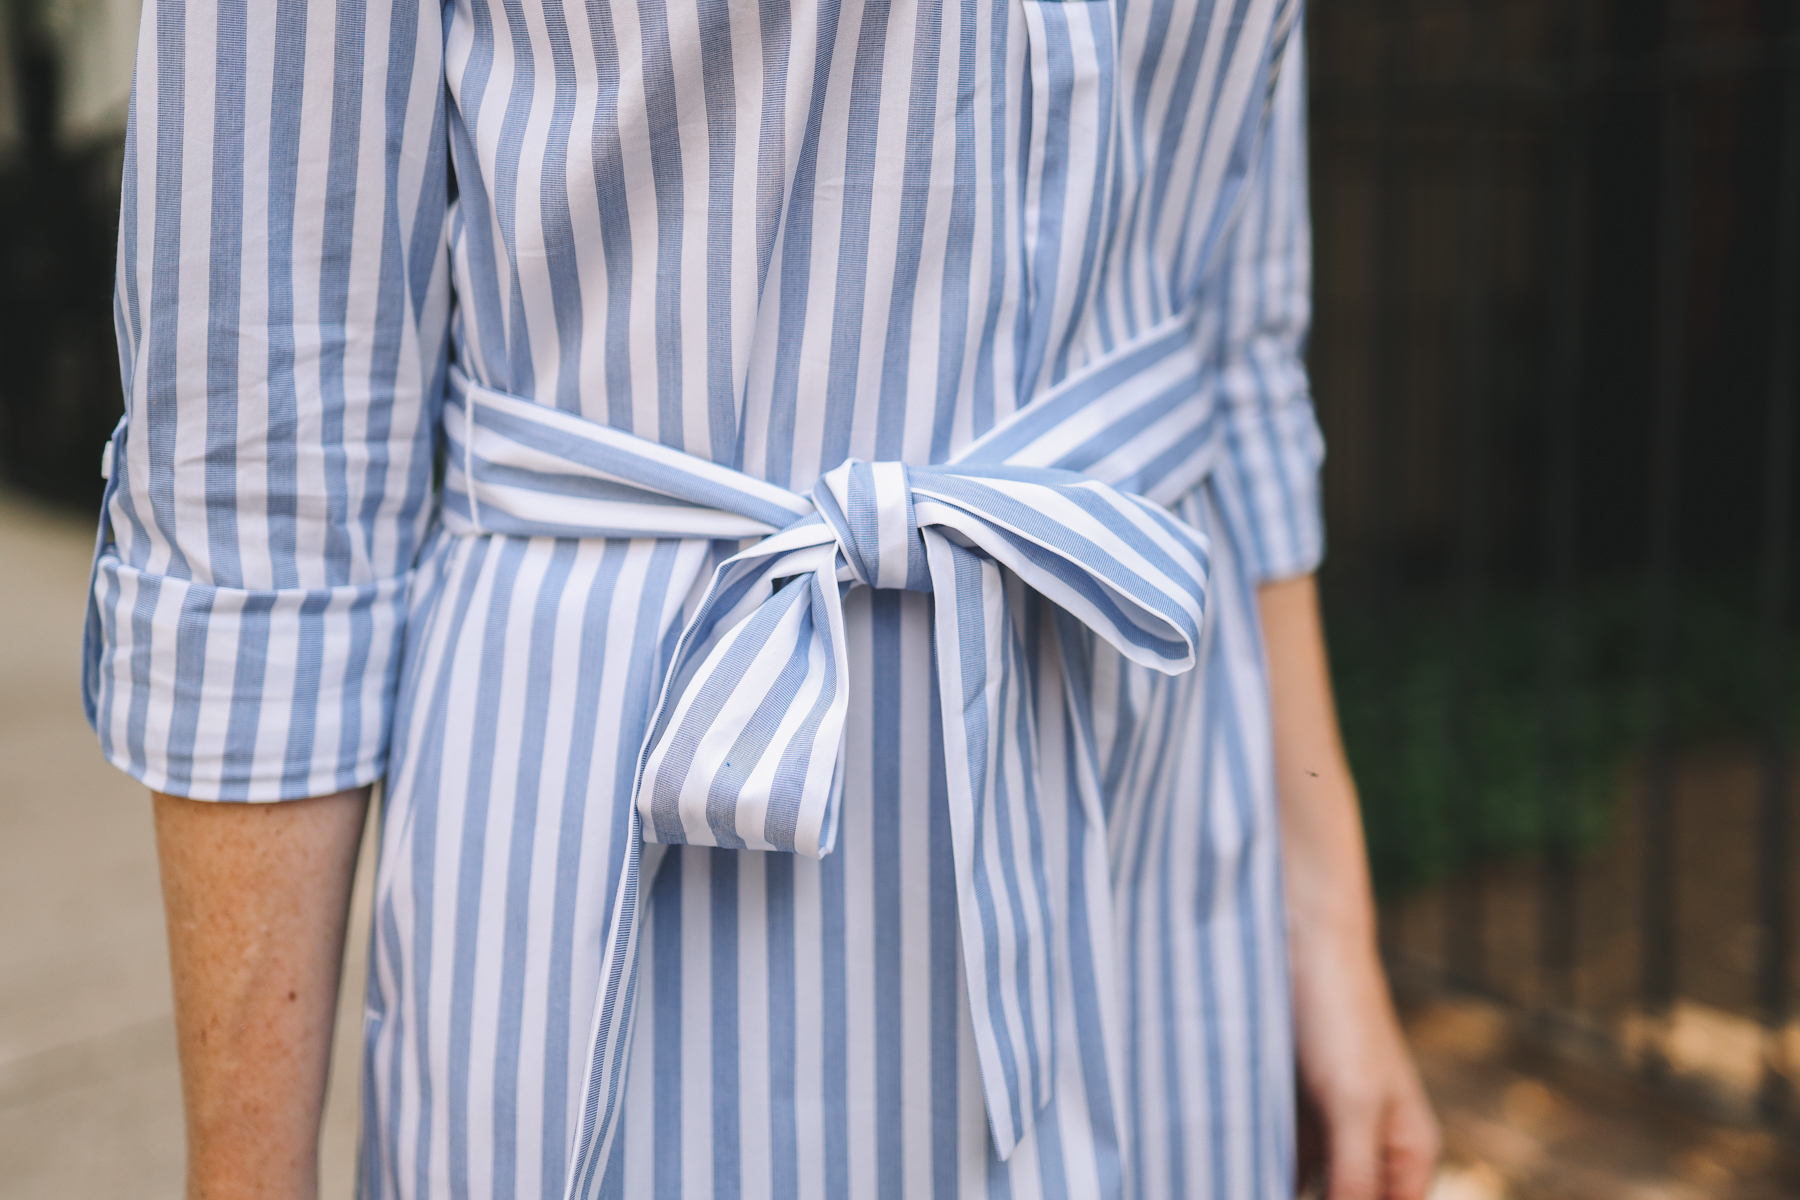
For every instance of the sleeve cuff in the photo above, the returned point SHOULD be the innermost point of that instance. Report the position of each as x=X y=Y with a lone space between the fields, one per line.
x=223 y=694
x=1267 y=480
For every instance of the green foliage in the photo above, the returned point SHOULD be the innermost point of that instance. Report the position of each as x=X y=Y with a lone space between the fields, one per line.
x=1473 y=737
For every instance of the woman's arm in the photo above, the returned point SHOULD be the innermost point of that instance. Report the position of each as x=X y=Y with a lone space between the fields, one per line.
x=1357 y=1078
x=256 y=897
x=283 y=299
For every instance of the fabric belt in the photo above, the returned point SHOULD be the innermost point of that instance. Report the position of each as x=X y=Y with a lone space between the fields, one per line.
x=743 y=749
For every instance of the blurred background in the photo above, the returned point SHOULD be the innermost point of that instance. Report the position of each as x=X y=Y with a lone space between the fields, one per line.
x=1558 y=251
x=1557 y=358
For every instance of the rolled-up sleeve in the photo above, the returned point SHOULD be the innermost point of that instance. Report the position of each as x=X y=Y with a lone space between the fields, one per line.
x=282 y=301
x=1266 y=477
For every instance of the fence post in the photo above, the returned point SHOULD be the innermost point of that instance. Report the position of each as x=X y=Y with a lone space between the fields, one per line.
x=1668 y=390
x=1774 y=832
x=1559 y=879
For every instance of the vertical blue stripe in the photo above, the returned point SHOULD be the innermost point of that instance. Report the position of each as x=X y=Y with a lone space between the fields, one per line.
x=561 y=249
x=472 y=207
x=776 y=37
x=1086 y=959
x=1052 y=180
x=959 y=249
x=664 y=910
x=161 y=419
x=983 y=403
x=796 y=263
x=224 y=290
x=834 y=1033
x=727 y=1148
x=1100 y=21
x=853 y=246
x=945 y=979
x=616 y=254
x=915 y=192
x=282 y=504
x=721 y=139
x=521 y=373
x=784 y=1135
x=886 y=859
x=190 y=662
x=663 y=131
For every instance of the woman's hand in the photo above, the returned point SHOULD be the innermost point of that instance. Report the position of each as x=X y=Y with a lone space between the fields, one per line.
x=1366 y=1125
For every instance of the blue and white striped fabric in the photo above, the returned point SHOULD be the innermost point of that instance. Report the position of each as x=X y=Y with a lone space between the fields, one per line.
x=777 y=491
x=744 y=749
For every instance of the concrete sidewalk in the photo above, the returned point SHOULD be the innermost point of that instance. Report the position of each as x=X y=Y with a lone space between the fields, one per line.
x=90 y=1100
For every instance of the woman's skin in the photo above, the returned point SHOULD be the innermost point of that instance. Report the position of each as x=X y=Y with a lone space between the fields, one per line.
x=257 y=897
x=1372 y=1131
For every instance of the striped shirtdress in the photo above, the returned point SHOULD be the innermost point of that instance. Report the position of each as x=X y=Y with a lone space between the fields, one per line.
x=776 y=488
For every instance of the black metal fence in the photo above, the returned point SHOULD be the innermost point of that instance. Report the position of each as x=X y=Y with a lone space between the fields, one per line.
x=1558 y=253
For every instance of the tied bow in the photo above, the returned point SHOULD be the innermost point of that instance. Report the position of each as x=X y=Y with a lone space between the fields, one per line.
x=744 y=749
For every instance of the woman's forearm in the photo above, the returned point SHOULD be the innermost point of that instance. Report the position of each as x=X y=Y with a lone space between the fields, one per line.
x=1322 y=837
x=1374 y=1135
x=256 y=897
